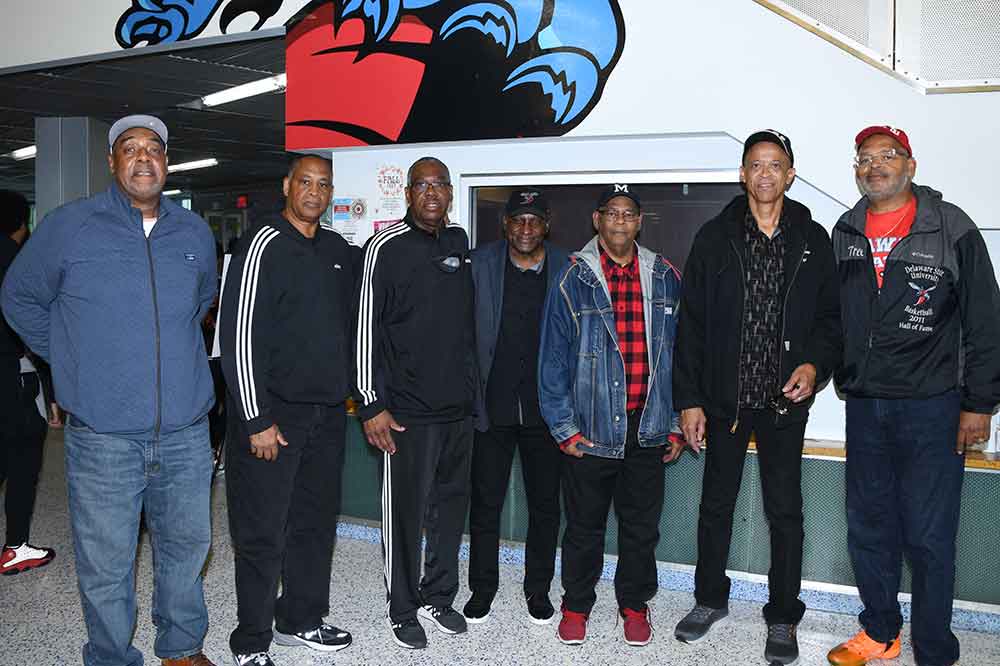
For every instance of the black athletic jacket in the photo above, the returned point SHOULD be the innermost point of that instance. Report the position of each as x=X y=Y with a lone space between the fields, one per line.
x=414 y=337
x=710 y=323
x=935 y=325
x=284 y=320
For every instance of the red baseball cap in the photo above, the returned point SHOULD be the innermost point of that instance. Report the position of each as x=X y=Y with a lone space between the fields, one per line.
x=895 y=133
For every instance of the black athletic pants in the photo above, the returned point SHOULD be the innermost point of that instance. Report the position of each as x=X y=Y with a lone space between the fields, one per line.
x=779 y=456
x=283 y=520
x=541 y=462
x=425 y=485
x=636 y=485
x=22 y=436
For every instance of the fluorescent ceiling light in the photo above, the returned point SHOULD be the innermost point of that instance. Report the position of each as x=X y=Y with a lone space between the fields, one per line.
x=170 y=193
x=26 y=153
x=259 y=87
x=188 y=166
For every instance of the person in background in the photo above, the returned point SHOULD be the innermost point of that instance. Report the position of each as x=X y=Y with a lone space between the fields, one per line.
x=22 y=428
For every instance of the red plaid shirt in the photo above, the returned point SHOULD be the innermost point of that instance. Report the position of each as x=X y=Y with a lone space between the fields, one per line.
x=630 y=325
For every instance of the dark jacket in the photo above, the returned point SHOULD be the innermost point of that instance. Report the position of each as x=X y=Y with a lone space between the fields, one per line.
x=935 y=325
x=285 y=320
x=10 y=346
x=710 y=328
x=118 y=316
x=488 y=266
x=414 y=339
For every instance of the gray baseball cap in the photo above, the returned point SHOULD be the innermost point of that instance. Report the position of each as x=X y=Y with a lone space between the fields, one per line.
x=122 y=125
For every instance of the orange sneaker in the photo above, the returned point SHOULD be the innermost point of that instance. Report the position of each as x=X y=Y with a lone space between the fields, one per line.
x=861 y=649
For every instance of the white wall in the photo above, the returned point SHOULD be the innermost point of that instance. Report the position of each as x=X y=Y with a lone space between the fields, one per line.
x=720 y=67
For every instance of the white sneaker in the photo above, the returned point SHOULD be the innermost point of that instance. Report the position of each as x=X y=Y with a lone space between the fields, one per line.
x=24 y=557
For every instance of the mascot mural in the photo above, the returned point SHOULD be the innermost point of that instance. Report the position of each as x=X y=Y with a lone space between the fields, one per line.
x=368 y=72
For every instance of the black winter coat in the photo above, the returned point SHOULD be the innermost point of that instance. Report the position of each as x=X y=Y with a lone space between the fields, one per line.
x=710 y=324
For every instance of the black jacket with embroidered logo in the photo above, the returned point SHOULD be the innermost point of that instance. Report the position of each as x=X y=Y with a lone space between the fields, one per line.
x=710 y=323
x=414 y=337
x=285 y=320
x=935 y=325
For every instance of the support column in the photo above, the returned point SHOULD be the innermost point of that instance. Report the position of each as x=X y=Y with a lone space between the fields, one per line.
x=72 y=161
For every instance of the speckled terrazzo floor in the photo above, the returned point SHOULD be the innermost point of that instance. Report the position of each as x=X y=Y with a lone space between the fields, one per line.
x=41 y=621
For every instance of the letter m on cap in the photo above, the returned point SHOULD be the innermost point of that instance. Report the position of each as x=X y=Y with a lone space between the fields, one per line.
x=621 y=188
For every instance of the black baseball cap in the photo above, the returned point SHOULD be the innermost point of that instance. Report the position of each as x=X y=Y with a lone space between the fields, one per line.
x=527 y=201
x=771 y=136
x=618 y=190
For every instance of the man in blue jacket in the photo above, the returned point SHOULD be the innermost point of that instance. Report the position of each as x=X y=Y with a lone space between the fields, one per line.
x=605 y=392
x=511 y=277
x=111 y=291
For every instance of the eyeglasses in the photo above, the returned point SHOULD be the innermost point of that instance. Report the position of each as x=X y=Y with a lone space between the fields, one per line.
x=615 y=214
x=449 y=263
x=422 y=186
x=862 y=162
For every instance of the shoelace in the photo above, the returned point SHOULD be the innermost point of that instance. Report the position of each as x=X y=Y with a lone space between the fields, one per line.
x=862 y=642
x=781 y=632
x=701 y=613
x=259 y=658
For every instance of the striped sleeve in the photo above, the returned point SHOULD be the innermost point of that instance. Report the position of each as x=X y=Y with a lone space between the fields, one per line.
x=246 y=312
x=369 y=306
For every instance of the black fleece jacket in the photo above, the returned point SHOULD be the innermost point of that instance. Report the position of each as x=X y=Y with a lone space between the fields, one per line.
x=710 y=322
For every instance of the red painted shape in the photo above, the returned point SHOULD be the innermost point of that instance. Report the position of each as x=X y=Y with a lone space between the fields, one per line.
x=376 y=93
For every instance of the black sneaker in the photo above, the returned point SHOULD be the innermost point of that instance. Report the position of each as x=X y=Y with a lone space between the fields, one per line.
x=477 y=609
x=255 y=659
x=540 y=610
x=782 y=645
x=445 y=618
x=696 y=624
x=325 y=638
x=408 y=634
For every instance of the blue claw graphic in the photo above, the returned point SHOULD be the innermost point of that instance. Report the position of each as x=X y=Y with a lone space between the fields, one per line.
x=488 y=18
x=569 y=77
x=159 y=21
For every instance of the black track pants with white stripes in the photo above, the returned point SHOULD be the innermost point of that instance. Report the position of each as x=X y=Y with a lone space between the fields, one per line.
x=425 y=485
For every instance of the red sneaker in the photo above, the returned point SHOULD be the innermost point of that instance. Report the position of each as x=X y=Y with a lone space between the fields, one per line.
x=572 y=627
x=638 y=630
x=24 y=557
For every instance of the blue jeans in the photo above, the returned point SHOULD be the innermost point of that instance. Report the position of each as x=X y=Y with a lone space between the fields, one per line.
x=904 y=490
x=111 y=480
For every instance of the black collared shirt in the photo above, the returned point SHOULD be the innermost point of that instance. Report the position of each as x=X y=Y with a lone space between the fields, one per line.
x=764 y=277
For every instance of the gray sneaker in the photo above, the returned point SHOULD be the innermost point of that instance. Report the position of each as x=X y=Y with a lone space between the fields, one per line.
x=697 y=623
x=782 y=645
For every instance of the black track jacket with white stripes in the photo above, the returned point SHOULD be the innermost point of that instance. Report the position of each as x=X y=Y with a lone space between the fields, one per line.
x=285 y=320
x=414 y=341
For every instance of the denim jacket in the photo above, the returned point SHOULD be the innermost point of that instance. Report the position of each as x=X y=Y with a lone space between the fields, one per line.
x=581 y=373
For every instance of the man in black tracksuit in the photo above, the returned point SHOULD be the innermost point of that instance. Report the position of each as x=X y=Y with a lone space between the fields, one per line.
x=759 y=330
x=285 y=324
x=415 y=387
x=921 y=379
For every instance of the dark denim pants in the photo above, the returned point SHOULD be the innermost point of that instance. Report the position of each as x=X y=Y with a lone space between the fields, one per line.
x=904 y=490
x=111 y=480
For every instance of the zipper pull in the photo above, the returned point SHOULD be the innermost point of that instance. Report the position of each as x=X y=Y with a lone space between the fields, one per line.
x=736 y=424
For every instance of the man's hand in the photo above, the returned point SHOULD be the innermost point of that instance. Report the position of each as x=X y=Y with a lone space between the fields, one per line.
x=55 y=416
x=264 y=444
x=574 y=449
x=693 y=427
x=378 y=431
x=675 y=446
x=972 y=429
x=801 y=384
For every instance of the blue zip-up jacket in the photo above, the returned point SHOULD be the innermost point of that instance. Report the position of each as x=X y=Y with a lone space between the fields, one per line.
x=581 y=373
x=118 y=316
